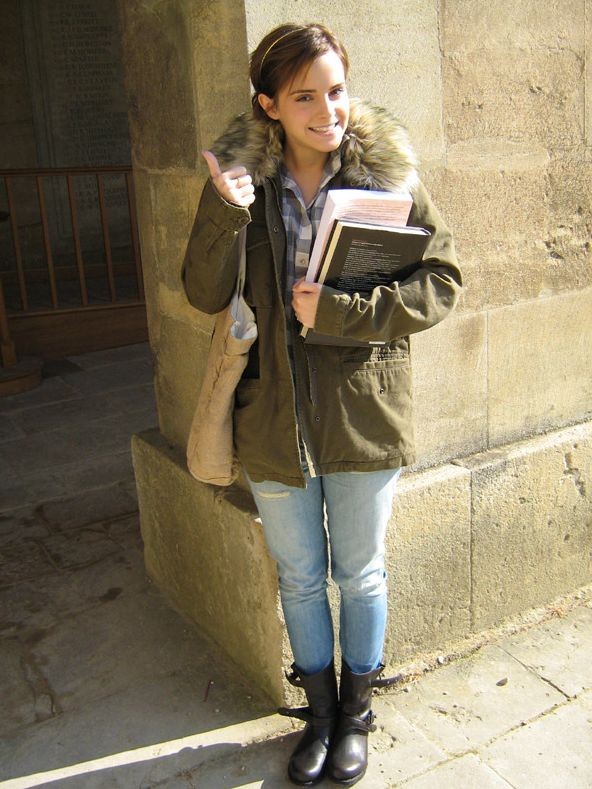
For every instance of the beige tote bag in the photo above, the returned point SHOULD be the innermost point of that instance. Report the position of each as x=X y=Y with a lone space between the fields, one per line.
x=210 y=448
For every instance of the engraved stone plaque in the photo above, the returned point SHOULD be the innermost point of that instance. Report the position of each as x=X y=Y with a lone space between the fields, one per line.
x=80 y=110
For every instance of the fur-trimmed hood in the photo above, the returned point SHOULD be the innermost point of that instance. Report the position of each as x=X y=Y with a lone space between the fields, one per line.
x=375 y=152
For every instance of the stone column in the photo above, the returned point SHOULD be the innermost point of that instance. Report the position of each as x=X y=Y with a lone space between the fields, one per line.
x=186 y=68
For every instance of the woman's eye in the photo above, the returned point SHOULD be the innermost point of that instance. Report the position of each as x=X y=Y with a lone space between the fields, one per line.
x=338 y=91
x=303 y=98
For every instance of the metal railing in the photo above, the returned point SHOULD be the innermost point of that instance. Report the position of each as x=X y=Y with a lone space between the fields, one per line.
x=51 y=273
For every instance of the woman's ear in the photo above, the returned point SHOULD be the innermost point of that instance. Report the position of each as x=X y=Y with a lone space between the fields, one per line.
x=268 y=106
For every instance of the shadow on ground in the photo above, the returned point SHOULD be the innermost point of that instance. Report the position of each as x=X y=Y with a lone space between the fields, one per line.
x=95 y=663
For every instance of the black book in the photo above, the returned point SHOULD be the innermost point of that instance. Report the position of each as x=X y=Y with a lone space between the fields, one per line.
x=359 y=257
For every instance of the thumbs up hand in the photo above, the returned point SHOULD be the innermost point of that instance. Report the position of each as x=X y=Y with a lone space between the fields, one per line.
x=234 y=185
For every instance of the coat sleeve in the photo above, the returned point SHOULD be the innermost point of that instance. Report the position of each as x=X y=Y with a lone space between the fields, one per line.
x=210 y=266
x=405 y=307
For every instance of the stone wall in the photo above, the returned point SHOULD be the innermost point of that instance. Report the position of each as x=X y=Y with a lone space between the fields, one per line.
x=495 y=99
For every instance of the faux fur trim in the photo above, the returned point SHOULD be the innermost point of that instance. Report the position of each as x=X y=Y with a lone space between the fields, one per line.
x=375 y=153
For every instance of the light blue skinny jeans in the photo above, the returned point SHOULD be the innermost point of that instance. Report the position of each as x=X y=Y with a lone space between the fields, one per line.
x=358 y=507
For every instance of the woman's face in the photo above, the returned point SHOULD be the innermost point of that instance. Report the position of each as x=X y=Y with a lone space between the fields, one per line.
x=313 y=109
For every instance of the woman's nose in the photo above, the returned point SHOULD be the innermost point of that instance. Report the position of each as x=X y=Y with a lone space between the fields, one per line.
x=327 y=106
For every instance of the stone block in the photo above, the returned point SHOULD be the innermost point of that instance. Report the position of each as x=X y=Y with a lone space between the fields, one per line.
x=588 y=76
x=506 y=24
x=182 y=357
x=208 y=556
x=18 y=693
x=461 y=706
x=450 y=388
x=564 y=736
x=570 y=226
x=531 y=535
x=428 y=562
x=497 y=209
x=539 y=359
x=558 y=650
x=220 y=68
x=174 y=201
x=466 y=770
x=157 y=55
x=147 y=245
x=516 y=75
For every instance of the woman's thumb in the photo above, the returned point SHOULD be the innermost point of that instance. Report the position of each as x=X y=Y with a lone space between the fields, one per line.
x=212 y=163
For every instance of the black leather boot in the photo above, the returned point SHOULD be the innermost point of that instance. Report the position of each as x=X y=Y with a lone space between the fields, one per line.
x=349 y=754
x=307 y=763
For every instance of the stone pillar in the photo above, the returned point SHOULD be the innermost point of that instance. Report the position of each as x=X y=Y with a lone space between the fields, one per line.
x=186 y=71
x=494 y=98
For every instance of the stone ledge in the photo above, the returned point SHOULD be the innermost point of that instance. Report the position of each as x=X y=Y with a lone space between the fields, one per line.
x=206 y=553
x=471 y=544
x=531 y=522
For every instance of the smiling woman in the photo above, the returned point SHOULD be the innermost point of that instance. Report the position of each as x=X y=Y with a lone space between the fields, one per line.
x=313 y=110
x=314 y=433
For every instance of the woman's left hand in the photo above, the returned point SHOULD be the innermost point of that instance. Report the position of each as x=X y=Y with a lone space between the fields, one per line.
x=305 y=300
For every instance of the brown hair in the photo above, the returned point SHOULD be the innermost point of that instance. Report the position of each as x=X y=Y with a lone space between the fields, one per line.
x=283 y=52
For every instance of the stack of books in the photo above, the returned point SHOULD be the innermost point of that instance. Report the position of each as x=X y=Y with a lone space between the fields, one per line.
x=363 y=241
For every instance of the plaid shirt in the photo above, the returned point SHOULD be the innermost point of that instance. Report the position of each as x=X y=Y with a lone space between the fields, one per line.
x=301 y=223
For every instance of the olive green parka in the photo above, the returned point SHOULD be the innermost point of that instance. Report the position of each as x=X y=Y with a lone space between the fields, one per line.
x=352 y=404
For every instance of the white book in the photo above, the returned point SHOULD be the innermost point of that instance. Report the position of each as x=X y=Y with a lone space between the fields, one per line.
x=358 y=205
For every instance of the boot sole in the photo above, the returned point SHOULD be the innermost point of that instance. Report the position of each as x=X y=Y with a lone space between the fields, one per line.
x=347 y=781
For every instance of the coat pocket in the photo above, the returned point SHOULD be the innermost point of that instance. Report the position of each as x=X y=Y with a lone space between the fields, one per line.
x=377 y=401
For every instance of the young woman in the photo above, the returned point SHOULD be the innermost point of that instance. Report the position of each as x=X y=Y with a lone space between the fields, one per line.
x=322 y=431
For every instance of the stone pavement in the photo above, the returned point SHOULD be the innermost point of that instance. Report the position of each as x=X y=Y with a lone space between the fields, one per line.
x=103 y=685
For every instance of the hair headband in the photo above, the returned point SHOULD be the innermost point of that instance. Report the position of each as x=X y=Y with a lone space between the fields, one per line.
x=277 y=41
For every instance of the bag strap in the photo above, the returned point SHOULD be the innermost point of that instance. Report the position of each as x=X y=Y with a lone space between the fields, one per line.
x=242 y=264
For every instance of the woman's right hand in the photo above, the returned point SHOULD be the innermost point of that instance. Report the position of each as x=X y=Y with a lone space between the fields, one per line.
x=234 y=185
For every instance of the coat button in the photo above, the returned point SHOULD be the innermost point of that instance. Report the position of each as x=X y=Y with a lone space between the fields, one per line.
x=276 y=229
x=314 y=369
x=381 y=390
x=317 y=418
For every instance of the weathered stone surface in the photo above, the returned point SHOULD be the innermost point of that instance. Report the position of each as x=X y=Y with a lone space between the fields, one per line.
x=463 y=707
x=507 y=24
x=52 y=391
x=515 y=74
x=158 y=81
x=428 y=561
x=559 y=651
x=148 y=732
x=588 y=77
x=89 y=507
x=450 y=389
x=539 y=360
x=552 y=751
x=570 y=228
x=54 y=483
x=465 y=771
x=18 y=700
x=174 y=201
x=219 y=56
x=531 y=533
x=179 y=374
x=9 y=429
x=131 y=372
x=209 y=558
x=498 y=216
x=398 y=750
